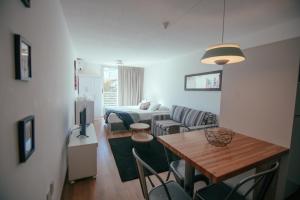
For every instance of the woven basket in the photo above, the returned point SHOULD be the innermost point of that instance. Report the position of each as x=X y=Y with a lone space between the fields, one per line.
x=219 y=137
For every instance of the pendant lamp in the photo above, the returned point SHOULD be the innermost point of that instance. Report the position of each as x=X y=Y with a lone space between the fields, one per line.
x=222 y=54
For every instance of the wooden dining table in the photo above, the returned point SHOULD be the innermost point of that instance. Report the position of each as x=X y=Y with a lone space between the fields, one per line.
x=219 y=163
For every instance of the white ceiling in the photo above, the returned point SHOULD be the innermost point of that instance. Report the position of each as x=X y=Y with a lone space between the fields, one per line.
x=104 y=31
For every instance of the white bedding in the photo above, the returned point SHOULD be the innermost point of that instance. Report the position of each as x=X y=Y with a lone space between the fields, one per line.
x=141 y=114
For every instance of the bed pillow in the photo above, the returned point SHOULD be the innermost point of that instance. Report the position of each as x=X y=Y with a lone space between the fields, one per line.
x=154 y=107
x=163 y=108
x=144 y=105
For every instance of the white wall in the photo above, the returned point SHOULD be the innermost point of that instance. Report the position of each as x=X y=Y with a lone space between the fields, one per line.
x=258 y=97
x=164 y=82
x=48 y=96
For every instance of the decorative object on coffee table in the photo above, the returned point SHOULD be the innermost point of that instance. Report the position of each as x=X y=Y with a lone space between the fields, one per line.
x=140 y=132
x=219 y=137
x=22 y=59
x=26 y=137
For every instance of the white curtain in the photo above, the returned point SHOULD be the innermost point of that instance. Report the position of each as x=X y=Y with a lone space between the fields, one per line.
x=131 y=85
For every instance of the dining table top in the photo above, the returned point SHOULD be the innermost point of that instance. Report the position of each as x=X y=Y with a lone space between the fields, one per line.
x=220 y=163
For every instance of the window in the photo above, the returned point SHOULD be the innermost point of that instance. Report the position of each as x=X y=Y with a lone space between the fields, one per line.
x=110 y=88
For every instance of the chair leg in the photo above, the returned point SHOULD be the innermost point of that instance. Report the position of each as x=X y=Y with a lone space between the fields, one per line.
x=206 y=181
x=168 y=161
x=152 y=184
x=168 y=176
x=188 y=183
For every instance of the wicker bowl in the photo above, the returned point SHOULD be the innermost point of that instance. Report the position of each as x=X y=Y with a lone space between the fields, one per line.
x=219 y=137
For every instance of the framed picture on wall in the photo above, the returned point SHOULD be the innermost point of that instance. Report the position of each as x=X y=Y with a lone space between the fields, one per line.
x=75 y=78
x=26 y=138
x=22 y=58
x=207 y=81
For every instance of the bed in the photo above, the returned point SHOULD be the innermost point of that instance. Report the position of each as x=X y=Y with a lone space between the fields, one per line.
x=114 y=122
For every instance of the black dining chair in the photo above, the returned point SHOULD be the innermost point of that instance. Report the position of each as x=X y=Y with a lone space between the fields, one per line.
x=165 y=191
x=222 y=191
x=177 y=167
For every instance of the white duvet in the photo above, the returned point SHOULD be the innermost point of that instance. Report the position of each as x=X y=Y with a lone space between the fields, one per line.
x=140 y=114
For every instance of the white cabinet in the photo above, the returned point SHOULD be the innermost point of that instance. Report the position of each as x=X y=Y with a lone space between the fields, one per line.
x=82 y=154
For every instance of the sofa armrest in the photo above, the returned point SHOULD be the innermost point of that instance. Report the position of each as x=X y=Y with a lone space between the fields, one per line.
x=194 y=128
x=174 y=129
x=161 y=116
x=157 y=117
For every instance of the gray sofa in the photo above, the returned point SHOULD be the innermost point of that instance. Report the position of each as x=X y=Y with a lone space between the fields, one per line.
x=182 y=119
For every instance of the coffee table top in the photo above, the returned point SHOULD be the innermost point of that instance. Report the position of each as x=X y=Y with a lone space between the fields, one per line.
x=139 y=126
x=142 y=137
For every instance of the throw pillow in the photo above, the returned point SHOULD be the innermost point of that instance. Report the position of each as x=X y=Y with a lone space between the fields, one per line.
x=163 y=108
x=154 y=107
x=145 y=105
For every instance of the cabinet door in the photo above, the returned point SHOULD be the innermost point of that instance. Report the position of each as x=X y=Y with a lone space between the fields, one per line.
x=82 y=161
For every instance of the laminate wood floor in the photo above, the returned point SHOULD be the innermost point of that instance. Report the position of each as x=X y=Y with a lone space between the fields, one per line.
x=107 y=185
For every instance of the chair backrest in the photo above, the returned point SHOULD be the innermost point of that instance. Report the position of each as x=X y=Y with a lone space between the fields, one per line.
x=141 y=172
x=262 y=180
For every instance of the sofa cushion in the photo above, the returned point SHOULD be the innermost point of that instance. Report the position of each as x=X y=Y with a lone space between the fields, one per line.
x=200 y=119
x=184 y=114
x=191 y=118
x=210 y=118
x=164 y=124
x=206 y=118
x=176 y=113
x=172 y=111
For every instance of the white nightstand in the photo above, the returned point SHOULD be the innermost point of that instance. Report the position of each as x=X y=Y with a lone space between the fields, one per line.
x=82 y=154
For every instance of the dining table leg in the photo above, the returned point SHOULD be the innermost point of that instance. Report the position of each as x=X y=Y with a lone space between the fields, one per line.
x=188 y=181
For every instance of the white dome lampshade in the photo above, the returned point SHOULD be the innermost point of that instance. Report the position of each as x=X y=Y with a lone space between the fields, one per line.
x=222 y=54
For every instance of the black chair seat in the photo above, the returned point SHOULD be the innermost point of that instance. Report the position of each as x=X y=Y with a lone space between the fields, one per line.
x=217 y=191
x=176 y=192
x=178 y=169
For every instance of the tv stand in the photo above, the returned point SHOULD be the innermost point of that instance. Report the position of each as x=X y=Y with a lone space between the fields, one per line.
x=82 y=154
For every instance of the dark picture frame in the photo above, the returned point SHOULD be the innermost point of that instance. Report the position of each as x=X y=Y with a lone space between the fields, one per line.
x=207 y=81
x=26 y=3
x=23 y=69
x=75 y=78
x=26 y=138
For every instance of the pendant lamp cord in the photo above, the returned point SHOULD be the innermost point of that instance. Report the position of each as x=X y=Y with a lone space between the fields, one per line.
x=223 y=22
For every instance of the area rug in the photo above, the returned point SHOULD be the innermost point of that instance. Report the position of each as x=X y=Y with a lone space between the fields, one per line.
x=152 y=153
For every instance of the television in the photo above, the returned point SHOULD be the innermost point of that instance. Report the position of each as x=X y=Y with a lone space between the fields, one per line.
x=82 y=116
x=79 y=106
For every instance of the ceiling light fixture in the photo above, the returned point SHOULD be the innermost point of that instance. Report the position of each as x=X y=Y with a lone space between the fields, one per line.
x=222 y=54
